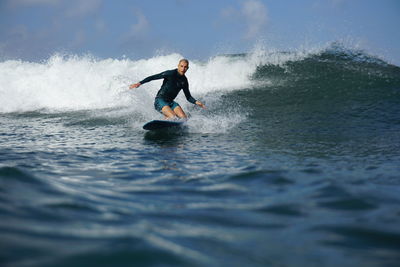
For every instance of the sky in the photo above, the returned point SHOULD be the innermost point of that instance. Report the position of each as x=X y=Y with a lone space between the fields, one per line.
x=34 y=30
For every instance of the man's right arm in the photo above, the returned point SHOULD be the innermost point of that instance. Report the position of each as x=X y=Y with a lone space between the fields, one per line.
x=153 y=77
x=161 y=75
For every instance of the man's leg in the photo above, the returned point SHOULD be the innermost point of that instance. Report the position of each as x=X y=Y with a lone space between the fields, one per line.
x=180 y=113
x=168 y=112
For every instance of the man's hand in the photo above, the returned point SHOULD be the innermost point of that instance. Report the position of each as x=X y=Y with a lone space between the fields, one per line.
x=200 y=104
x=135 y=85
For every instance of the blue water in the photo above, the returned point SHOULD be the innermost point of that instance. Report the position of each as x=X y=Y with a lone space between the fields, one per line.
x=298 y=165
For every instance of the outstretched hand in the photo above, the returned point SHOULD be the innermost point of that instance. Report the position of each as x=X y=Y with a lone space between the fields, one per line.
x=200 y=104
x=135 y=85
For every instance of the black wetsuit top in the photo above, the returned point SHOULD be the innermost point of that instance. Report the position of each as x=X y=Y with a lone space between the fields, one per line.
x=172 y=85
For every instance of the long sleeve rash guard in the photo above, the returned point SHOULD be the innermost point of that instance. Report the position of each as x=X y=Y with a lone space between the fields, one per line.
x=171 y=86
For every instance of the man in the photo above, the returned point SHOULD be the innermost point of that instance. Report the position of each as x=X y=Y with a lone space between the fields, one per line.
x=174 y=81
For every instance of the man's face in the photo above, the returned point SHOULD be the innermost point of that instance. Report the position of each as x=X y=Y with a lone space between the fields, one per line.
x=183 y=67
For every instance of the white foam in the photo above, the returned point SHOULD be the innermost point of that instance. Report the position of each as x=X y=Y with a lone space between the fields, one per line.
x=215 y=123
x=83 y=82
x=69 y=83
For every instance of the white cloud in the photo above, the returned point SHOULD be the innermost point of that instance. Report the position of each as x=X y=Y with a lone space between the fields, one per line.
x=100 y=25
x=141 y=25
x=228 y=12
x=252 y=14
x=82 y=8
x=255 y=15
x=78 y=40
x=137 y=32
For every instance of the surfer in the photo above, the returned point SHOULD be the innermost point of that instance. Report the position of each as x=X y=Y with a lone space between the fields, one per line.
x=174 y=81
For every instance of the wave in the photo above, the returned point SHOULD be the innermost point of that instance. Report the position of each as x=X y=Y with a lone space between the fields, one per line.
x=83 y=82
x=335 y=74
x=70 y=83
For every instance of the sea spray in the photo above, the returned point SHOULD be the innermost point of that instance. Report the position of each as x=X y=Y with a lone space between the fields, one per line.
x=70 y=82
x=74 y=83
x=83 y=82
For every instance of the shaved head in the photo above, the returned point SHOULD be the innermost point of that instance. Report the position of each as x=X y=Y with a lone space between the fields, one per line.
x=184 y=60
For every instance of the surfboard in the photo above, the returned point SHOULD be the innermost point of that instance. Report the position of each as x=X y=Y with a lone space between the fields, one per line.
x=162 y=124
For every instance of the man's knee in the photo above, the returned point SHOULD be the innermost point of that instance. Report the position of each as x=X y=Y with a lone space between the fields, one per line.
x=168 y=112
x=179 y=111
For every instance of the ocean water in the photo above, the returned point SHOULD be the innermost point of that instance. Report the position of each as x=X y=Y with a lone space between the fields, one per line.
x=296 y=162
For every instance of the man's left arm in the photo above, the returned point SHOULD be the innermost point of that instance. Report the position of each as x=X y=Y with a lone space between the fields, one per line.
x=190 y=98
